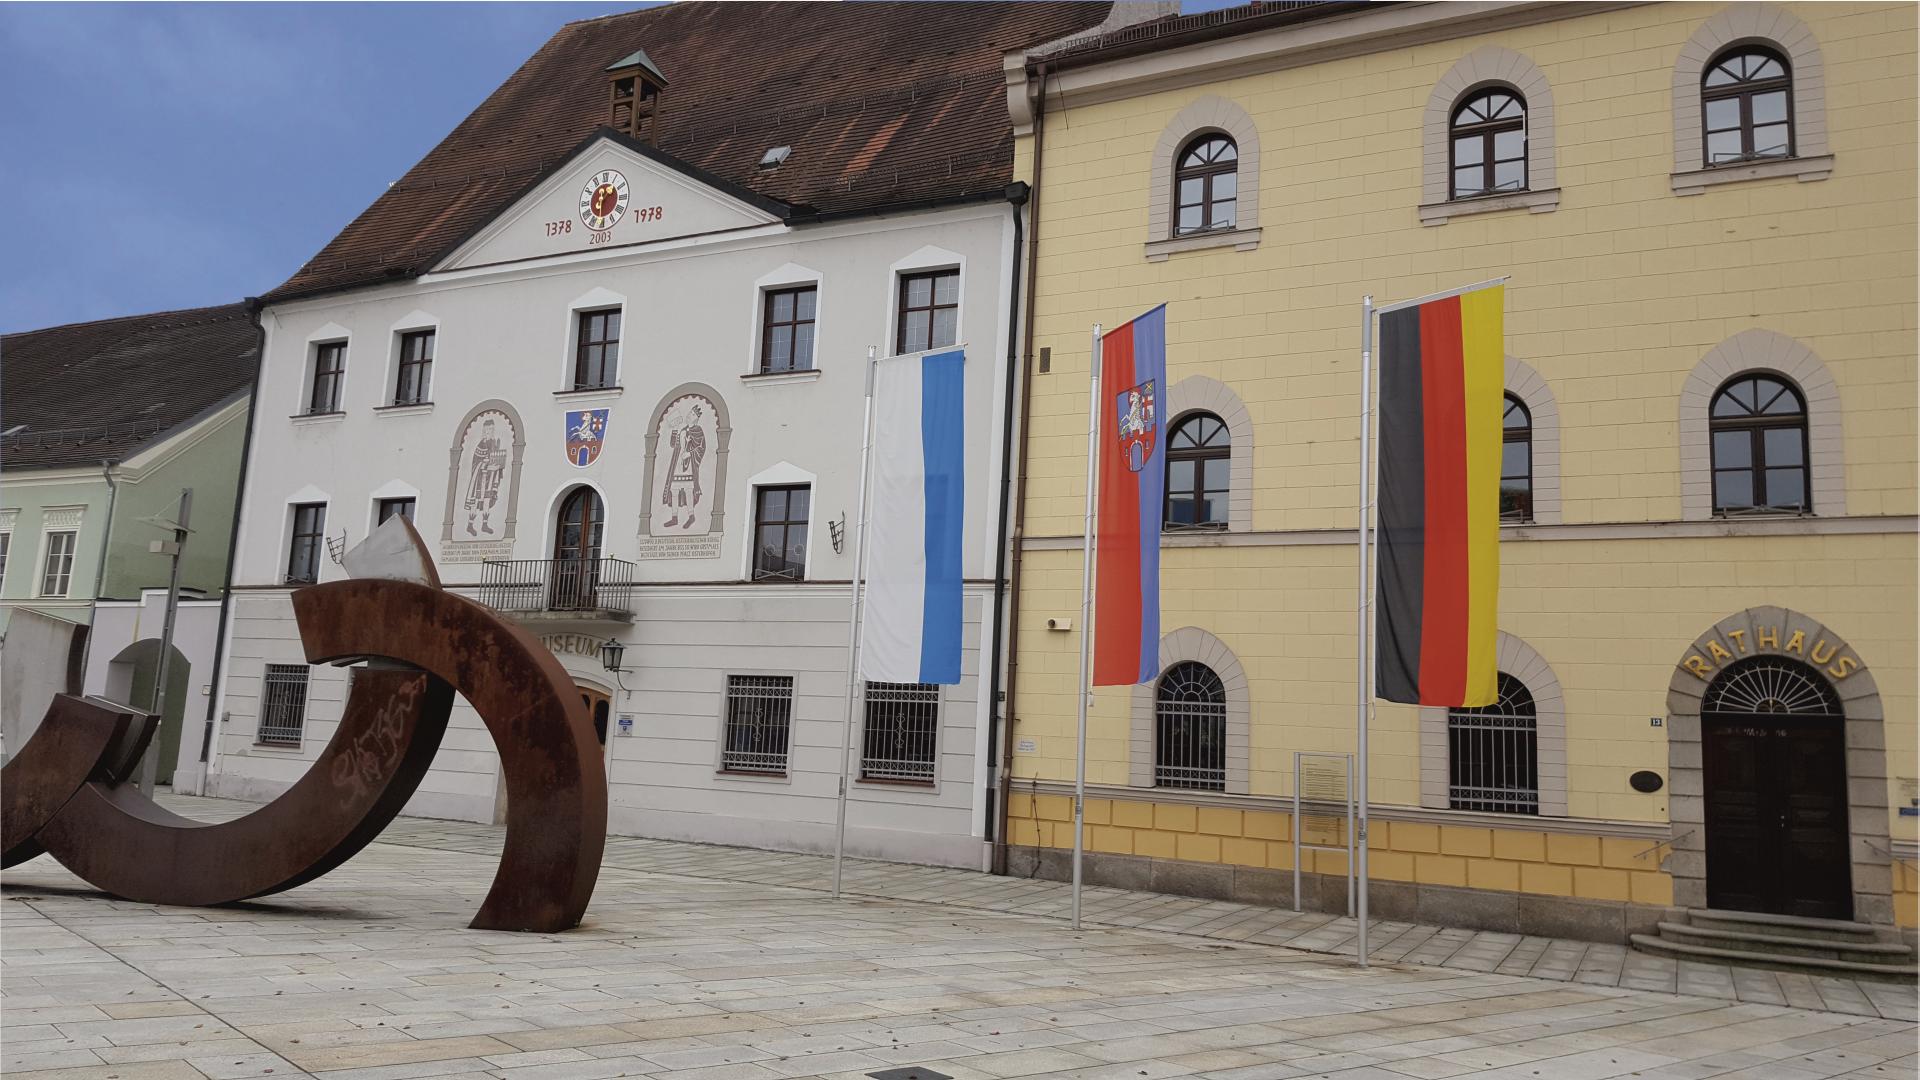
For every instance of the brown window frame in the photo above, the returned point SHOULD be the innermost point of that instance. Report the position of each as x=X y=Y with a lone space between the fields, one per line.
x=1523 y=513
x=1206 y=173
x=763 y=571
x=415 y=368
x=1745 y=91
x=769 y=323
x=1199 y=455
x=597 y=329
x=304 y=544
x=1487 y=129
x=329 y=370
x=386 y=508
x=1756 y=425
x=933 y=307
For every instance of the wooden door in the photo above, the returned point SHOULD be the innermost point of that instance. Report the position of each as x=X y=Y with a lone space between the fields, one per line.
x=1776 y=808
x=576 y=552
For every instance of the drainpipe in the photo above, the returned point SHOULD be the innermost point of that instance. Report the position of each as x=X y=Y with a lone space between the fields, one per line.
x=1004 y=788
x=1017 y=195
x=99 y=572
x=220 y=642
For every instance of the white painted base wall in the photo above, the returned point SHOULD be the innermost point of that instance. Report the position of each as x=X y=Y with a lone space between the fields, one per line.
x=664 y=779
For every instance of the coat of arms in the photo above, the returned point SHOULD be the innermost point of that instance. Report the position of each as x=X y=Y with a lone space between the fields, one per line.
x=1138 y=424
x=586 y=434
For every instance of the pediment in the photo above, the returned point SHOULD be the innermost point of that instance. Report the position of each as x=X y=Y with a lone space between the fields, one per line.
x=612 y=193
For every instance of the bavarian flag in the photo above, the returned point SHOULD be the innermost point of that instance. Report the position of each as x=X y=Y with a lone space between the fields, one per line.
x=1442 y=371
x=1132 y=477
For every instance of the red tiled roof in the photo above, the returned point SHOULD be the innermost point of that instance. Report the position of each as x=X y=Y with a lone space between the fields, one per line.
x=882 y=102
x=102 y=390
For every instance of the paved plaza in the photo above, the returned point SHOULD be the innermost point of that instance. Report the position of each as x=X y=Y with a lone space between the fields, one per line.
x=700 y=963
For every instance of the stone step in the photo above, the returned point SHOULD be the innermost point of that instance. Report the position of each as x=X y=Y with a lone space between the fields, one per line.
x=1760 y=922
x=1870 y=952
x=1808 y=965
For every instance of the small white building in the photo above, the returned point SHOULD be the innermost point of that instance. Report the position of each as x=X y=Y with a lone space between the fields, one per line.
x=606 y=345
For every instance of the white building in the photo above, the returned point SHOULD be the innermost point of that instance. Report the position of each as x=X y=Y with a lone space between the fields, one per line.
x=606 y=344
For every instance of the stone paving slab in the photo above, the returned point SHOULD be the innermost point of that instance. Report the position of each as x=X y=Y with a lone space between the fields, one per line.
x=1540 y=958
x=370 y=974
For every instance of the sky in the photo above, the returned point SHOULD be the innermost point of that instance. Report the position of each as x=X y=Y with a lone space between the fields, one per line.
x=162 y=156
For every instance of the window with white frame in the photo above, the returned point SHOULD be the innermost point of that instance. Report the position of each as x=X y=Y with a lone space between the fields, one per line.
x=329 y=372
x=759 y=722
x=303 y=548
x=56 y=574
x=901 y=736
x=283 y=705
x=413 y=375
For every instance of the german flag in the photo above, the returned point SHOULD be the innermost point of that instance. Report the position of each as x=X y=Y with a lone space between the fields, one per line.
x=1441 y=375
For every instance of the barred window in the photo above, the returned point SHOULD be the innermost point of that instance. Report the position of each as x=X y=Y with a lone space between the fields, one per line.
x=902 y=732
x=1493 y=759
x=1190 y=729
x=283 y=705
x=759 y=724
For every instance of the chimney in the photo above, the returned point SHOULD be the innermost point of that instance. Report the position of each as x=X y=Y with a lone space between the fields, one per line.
x=634 y=95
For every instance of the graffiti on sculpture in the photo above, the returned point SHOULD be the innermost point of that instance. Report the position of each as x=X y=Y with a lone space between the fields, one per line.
x=686 y=475
x=67 y=792
x=483 y=484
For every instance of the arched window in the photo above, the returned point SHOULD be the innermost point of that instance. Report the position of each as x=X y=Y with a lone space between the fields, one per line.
x=1199 y=456
x=1493 y=754
x=1488 y=140
x=1516 y=463
x=1190 y=728
x=1771 y=686
x=572 y=585
x=1206 y=185
x=1746 y=106
x=1759 y=429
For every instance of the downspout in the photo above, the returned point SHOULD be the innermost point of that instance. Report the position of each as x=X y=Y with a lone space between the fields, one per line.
x=1004 y=789
x=99 y=574
x=1017 y=194
x=214 y=699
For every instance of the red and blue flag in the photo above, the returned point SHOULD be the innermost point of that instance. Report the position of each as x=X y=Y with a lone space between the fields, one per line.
x=1132 y=476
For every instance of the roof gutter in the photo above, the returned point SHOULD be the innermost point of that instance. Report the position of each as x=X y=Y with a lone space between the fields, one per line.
x=99 y=569
x=1133 y=42
x=220 y=644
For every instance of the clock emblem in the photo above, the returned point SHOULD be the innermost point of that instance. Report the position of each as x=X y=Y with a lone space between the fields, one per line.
x=604 y=200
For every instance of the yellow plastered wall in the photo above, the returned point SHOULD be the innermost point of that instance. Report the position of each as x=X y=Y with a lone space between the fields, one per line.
x=1507 y=860
x=1615 y=297
x=1906 y=884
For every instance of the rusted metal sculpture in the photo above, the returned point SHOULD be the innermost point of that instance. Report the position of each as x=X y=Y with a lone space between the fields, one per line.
x=422 y=645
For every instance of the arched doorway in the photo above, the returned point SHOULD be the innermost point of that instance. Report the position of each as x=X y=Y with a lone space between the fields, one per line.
x=1773 y=736
x=577 y=535
x=131 y=677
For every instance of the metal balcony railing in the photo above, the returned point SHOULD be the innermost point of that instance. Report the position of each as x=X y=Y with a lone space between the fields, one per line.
x=558 y=585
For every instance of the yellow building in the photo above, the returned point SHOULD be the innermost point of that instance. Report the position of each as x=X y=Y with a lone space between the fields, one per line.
x=1707 y=601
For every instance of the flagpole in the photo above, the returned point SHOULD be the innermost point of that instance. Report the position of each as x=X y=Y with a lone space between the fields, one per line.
x=853 y=625
x=1086 y=625
x=1363 y=672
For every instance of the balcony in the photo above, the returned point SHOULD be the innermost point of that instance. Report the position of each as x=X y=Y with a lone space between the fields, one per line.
x=559 y=590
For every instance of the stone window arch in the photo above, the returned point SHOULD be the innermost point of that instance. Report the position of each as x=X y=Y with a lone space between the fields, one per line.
x=1526 y=384
x=1487 y=66
x=1521 y=661
x=1200 y=394
x=1205 y=115
x=1192 y=644
x=1765 y=351
x=1772 y=28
